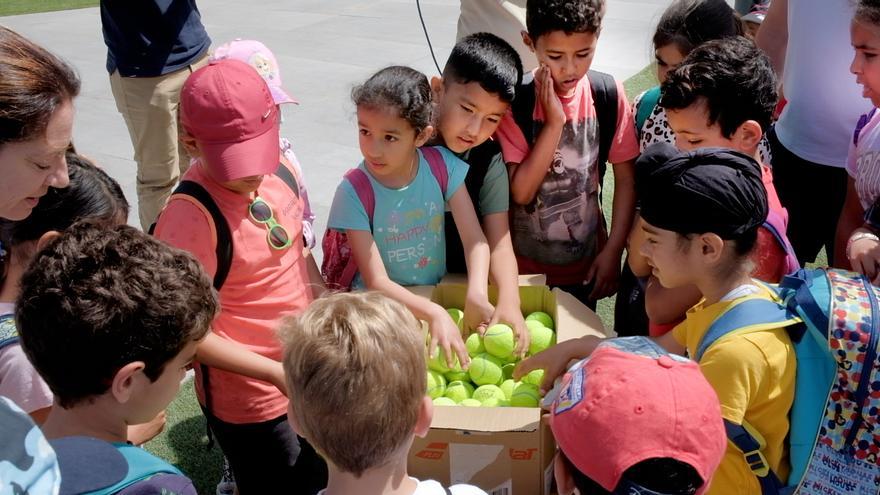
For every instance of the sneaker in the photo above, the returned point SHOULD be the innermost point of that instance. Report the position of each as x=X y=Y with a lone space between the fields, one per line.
x=227 y=481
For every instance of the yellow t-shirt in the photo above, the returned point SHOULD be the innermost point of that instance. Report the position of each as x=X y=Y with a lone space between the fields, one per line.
x=753 y=375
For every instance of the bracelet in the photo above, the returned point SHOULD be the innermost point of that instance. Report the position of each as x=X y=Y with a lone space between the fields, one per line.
x=859 y=237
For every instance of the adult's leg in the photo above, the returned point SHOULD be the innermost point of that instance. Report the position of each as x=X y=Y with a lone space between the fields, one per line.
x=813 y=194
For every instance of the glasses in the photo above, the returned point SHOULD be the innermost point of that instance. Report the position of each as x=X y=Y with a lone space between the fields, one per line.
x=277 y=235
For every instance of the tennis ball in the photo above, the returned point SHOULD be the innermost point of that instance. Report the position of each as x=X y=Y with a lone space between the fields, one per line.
x=470 y=403
x=485 y=369
x=507 y=370
x=436 y=384
x=525 y=395
x=437 y=362
x=507 y=387
x=499 y=340
x=459 y=391
x=444 y=401
x=474 y=344
x=456 y=376
x=486 y=392
x=535 y=377
x=493 y=402
x=456 y=315
x=543 y=317
x=541 y=338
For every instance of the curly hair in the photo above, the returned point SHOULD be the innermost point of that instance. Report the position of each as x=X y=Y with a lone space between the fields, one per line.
x=402 y=88
x=569 y=16
x=98 y=298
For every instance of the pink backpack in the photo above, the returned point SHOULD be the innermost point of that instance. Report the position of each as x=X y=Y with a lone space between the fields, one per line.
x=339 y=267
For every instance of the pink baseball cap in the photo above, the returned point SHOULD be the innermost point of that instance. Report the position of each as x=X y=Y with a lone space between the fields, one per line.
x=228 y=109
x=260 y=58
x=630 y=402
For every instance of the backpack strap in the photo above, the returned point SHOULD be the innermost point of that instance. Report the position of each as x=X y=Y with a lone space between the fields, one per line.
x=742 y=438
x=288 y=178
x=522 y=109
x=776 y=226
x=647 y=103
x=751 y=314
x=604 y=90
x=364 y=190
x=438 y=167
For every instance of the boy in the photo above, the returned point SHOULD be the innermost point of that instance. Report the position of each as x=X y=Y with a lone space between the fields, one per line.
x=355 y=368
x=478 y=84
x=230 y=123
x=111 y=318
x=552 y=151
x=674 y=449
x=701 y=212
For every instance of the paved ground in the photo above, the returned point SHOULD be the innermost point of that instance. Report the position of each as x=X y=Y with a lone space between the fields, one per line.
x=324 y=48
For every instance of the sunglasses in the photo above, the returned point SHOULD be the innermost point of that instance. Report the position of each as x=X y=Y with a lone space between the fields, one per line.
x=277 y=235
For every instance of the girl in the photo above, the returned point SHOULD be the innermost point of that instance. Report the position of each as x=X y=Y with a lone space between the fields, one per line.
x=857 y=231
x=401 y=241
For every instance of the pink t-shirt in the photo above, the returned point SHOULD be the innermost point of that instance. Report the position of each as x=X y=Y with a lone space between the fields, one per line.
x=863 y=162
x=263 y=285
x=560 y=232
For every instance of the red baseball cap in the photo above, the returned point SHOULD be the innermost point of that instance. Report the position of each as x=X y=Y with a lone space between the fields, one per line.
x=228 y=109
x=630 y=402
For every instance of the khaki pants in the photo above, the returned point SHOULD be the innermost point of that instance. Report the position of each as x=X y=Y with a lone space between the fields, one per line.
x=503 y=18
x=149 y=107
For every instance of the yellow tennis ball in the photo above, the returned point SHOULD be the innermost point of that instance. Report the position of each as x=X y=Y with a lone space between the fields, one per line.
x=444 y=401
x=470 y=403
x=507 y=370
x=507 y=387
x=474 y=344
x=485 y=369
x=436 y=384
x=486 y=392
x=525 y=395
x=459 y=391
x=542 y=317
x=495 y=402
x=456 y=376
x=456 y=315
x=499 y=340
x=535 y=377
x=541 y=338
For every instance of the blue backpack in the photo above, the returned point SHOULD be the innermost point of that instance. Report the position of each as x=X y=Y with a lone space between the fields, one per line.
x=834 y=439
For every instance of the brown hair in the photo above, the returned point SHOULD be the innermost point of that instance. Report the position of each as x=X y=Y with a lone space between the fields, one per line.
x=33 y=83
x=355 y=366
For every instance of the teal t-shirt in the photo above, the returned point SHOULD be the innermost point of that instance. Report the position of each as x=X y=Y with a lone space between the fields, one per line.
x=408 y=223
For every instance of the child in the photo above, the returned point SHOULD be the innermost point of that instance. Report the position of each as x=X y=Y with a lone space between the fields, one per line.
x=701 y=212
x=111 y=319
x=754 y=18
x=552 y=155
x=230 y=123
x=401 y=241
x=475 y=91
x=360 y=356
x=722 y=95
x=674 y=449
x=857 y=229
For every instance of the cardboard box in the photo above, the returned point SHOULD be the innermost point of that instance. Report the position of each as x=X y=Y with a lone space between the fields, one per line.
x=503 y=450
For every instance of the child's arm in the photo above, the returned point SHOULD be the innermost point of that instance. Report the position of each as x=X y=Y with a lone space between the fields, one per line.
x=526 y=177
x=851 y=218
x=665 y=306
x=443 y=330
x=224 y=354
x=504 y=272
x=316 y=281
x=605 y=269
x=477 y=310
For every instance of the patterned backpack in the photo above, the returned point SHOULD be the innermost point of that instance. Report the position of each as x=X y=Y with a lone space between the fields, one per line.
x=833 y=317
x=339 y=268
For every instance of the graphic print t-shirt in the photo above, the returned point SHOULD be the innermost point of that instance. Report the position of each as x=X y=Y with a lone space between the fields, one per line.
x=863 y=161
x=408 y=223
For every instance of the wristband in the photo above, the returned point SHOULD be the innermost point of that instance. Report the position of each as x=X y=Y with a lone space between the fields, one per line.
x=859 y=237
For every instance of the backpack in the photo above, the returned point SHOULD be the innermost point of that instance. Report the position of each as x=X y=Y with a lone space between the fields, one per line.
x=646 y=106
x=121 y=465
x=338 y=267
x=833 y=318
x=776 y=226
x=8 y=330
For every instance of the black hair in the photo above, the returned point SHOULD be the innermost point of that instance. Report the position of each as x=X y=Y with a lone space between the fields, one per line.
x=743 y=244
x=868 y=11
x=399 y=87
x=734 y=79
x=488 y=60
x=91 y=194
x=98 y=298
x=690 y=23
x=662 y=474
x=568 y=16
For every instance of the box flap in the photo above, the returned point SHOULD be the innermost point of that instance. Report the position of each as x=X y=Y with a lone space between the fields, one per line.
x=534 y=280
x=574 y=319
x=486 y=419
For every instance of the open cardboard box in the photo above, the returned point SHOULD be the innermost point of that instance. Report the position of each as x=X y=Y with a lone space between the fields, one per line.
x=503 y=450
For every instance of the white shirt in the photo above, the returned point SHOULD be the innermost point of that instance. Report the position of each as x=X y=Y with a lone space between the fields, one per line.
x=431 y=487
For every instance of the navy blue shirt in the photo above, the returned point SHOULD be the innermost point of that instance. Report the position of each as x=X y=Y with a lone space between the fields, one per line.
x=149 y=38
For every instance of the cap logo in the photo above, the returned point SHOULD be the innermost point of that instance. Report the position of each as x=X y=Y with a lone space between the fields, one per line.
x=266 y=115
x=572 y=392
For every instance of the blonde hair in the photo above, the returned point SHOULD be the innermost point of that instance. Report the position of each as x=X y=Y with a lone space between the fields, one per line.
x=355 y=366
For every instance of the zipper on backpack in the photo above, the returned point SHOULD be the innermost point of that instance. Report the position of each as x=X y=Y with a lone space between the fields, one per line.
x=867 y=368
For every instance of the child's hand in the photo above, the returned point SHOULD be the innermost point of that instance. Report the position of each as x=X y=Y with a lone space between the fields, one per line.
x=550 y=102
x=864 y=254
x=446 y=334
x=554 y=361
x=604 y=274
x=477 y=313
x=278 y=379
x=511 y=315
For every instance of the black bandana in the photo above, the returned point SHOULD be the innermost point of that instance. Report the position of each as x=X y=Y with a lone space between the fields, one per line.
x=709 y=190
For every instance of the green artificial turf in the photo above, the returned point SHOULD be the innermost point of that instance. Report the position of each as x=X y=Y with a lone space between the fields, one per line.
x=15 y=7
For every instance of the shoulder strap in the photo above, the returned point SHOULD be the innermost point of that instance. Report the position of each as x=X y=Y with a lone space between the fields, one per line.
x=438 y=167
x=646 y=106
x=750 y=447
x=364 y=190
x=523 y=108
x=604 y=90
x=775 y=226
x=221 y=226
x=287 y=176
x=8 y=330
x=752 y=314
